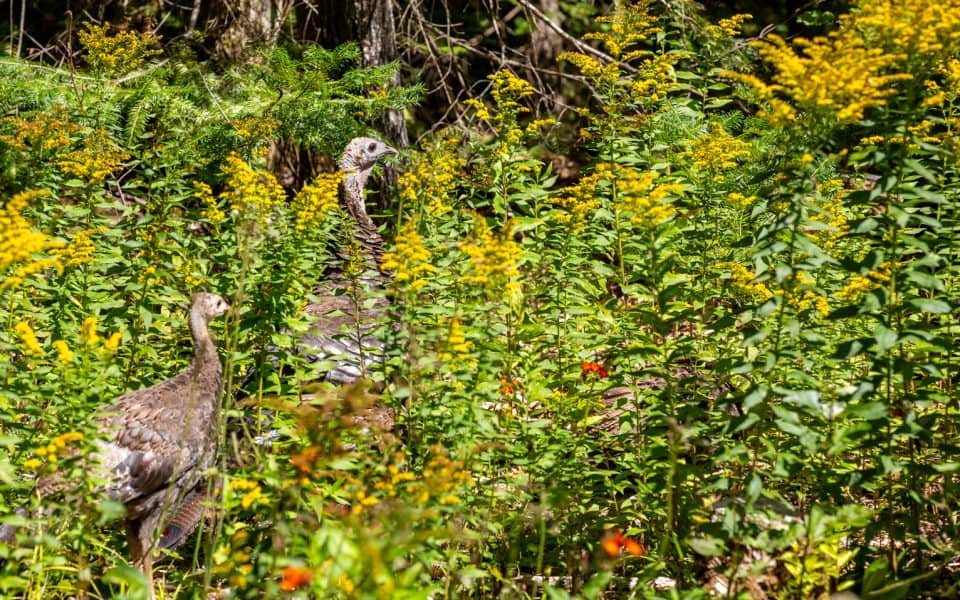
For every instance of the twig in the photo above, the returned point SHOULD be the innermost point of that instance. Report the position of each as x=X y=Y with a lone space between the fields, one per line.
x=579 y=44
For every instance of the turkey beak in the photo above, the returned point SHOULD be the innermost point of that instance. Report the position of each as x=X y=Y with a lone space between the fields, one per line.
x=390 y=151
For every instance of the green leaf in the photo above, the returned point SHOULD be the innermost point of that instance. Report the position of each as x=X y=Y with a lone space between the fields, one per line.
x=597 y=583
x=930 y=305
x=132 y=577
x=707 y=546
x=885 y=337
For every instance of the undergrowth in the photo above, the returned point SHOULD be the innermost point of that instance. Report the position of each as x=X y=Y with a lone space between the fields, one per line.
x=721 y=357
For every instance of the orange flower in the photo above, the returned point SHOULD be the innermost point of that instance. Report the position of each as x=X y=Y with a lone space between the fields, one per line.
x=592 y=367
x=614 y=542
x=294 y=578
x=509 y=385
x=304 y=460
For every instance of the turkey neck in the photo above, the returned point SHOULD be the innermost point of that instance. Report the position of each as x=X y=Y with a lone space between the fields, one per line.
x=366 y=233
x=205 y=366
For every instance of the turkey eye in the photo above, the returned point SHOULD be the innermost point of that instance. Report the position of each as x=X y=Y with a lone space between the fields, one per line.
x=371 y=147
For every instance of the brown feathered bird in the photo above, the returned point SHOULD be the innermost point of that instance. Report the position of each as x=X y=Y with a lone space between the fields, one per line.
x=350 y=301
x=155 y=443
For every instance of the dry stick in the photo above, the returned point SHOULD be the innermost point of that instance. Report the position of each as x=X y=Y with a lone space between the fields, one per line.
x=23 y=15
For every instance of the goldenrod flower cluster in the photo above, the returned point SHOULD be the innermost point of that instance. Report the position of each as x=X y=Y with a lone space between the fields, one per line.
x=654 y=79
x=250 y=192
x=64 y=354
x=112 y=343
x=942 y=95
x=410 y=260
x=862 y=284
x=432 y=178
x=53 y=450
x=396 y=477
x=636 y=193
x=729 y=27
x=649 y=79
x=580 y=199
x=186 y=270
x=118 y=54
x=44 y=131
x=800 y=293
x=858 y=65
x=31 y=347
x=88 y=331
x=493 y=260
x=211 y=210
x=259 y=128
x=508 y=89
x=252 y=492
x=442 y=478
x=917 y=29
x=832 y=214
x=717 y=149
x=317 y=200
x=95 y=161
x=19 y=243
x=80 y=250
x=626 y=27
x=458 y=348
x=744 y=280
x=603 y=75
x=738 y=200
x=234 y=559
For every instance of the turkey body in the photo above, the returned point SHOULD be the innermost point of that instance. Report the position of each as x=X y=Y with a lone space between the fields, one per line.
x=155 y=443
x=350 y=300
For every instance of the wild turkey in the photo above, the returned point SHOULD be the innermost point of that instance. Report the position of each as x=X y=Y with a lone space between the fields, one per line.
x=156 y=442
x=350 y=301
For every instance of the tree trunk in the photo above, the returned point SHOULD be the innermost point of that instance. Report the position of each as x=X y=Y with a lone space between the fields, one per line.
x=253 y=24
x=369 y=23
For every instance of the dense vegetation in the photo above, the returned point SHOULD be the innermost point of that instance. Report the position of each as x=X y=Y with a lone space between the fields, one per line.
x=715 y=357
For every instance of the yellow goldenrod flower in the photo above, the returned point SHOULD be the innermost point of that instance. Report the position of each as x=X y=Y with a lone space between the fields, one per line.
x=20 y=245
x=111 y=343
x=32 y=464
x=457 y=347
x=717 y=149
x=493 y=260
x=739 y=200
x=211 y=210
x=508 y=88
x=118 y=54
x=579 y=200
x=316 y=200
x=862 y=284
x=31 y=347
x=80 y=250
x=744 y=280
x=250 y=497
x=730 y=26
x=432 y=178
x=64 y=355
x=250 y=192
x=799 y=293
x=46 y=131
x=857 y=66
x=95 y=161
x=628 y=26
x=88 y=331
x=410 y=260
x=256 y=128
